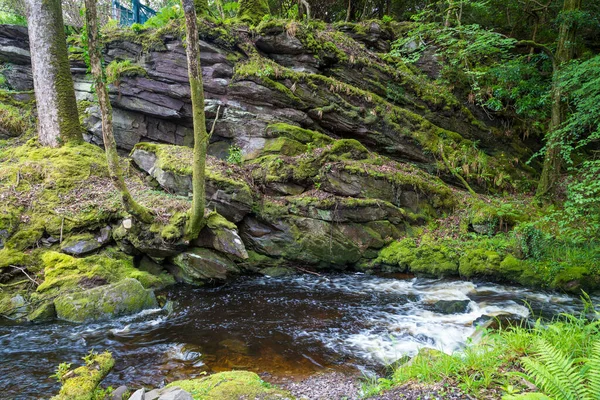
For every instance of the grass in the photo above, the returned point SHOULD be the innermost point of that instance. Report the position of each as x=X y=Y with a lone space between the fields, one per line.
x=494 y=365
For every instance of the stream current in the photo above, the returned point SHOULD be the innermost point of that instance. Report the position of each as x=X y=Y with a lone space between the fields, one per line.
x=281 y=328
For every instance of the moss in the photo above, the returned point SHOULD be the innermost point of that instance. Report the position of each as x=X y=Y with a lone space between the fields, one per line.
x=215 y=221
x=426 y=259
x=45 y=186
x=253 y=11
x=16 y=119
x=68 y=120
x=232 y=385
x=65 y=273
x=174 y=229
x=104 y=302
x=15 y=257
x=25 y=239
x=284 y=146
x=43 y=313
x=483 y=263
x=82 y=382
x=299 y=134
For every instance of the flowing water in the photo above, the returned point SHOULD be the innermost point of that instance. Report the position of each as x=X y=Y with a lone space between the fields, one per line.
x=279 y=327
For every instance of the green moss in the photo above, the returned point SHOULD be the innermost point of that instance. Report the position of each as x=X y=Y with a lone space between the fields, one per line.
x=426 y=259
x=483 y=263
x=232 y=385
x=25 y=239
x=16 y=119
x=253 y=11
x=299 y=134
x=284 y=146
x=83 y=381
x=215 y=221
x=50 y=179
x=65 y=273
x=125 y=297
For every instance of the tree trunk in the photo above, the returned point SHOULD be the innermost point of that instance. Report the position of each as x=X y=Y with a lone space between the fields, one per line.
x=201 y=7
x=253 y=11
x=58 y=120
x=114 y=168
x=196 y=221
x=350 y=11
x=564 y=53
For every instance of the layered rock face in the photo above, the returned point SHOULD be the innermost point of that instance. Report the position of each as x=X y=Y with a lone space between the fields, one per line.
x=323 y=153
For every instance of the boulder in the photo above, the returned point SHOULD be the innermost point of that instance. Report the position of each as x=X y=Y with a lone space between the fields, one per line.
x=43 y=313
x=451 y=306
x=125 y=297
x=199 y=266
x=221 y=235
x=78 y=245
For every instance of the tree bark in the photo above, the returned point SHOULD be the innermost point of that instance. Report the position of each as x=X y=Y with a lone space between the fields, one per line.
x=112 y=157
x=58 y=120
x=564 y=53
x=196 y=221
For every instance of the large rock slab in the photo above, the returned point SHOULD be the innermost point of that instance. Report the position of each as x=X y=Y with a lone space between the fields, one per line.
x=122 y=298
x=199 y=266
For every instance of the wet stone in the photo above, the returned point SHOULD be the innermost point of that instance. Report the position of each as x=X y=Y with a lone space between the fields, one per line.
x=451 y=306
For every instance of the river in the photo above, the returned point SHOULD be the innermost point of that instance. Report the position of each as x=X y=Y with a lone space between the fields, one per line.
x=281 y=328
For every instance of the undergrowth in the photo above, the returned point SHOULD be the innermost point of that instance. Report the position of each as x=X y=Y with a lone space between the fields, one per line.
x=496 y=364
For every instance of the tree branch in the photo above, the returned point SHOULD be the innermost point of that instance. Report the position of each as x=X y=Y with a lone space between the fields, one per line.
x=539 y=46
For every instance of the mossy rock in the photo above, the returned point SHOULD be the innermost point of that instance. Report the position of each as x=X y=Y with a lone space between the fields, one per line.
x=301 y=135
x=65 y=273
x=489 y=264
x=81 y=383
x=426 y=259
x=284 y=146
x=43 y=313
x=232 y=385
x=104 y=302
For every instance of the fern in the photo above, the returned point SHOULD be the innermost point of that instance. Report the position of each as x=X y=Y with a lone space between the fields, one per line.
x=559 y=376
x=592 y=373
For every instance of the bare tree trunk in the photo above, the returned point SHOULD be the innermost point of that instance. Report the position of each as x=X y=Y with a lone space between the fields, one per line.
x=58 y=120
x=349 y=11
x=196 y=221
x=307 y=7
x=564 y=53
x=114 y=168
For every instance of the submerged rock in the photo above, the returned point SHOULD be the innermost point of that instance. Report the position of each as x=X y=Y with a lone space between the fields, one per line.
x=125 y=297
x=451 y=306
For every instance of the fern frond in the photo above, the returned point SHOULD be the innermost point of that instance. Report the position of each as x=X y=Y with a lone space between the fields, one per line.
x=592 y=373
x=555 y=373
